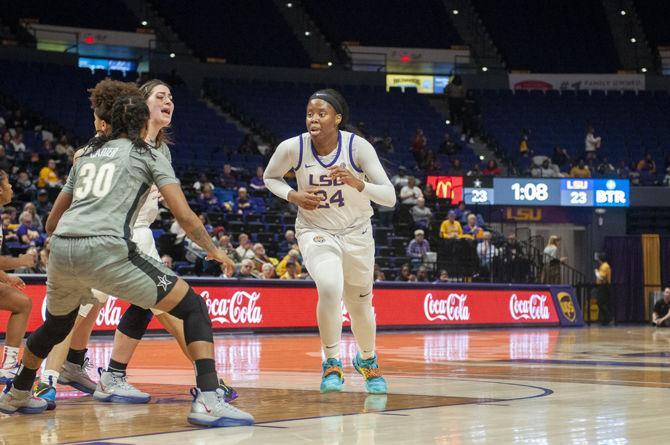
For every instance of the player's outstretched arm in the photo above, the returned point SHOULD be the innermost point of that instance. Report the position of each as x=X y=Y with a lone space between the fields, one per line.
x=63 y=202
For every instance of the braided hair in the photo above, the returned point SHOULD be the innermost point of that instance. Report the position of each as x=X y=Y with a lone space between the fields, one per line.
x=130 y=115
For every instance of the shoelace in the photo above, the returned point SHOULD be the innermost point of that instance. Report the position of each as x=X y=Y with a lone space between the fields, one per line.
x=87 y=365
x=221 y=402
x=121 y=382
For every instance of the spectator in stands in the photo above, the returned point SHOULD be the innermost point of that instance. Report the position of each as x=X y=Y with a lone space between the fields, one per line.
x=605 y=169
x=419 y=143
x=560 y=157
x=27 y=232
x=405 y=273
x=552 y=261
x=421 y=214
x=622 y=170
x=443 y=277
x=17 y=143
x=524 y=143
x=661 y=314
x=634 y=174
x=268 y=272
x=64 y=150
x=262 y=257
x=430 y=165
x=422 y=274
x=450 y=228
x=291 y=271
x=474 y=172
x=461 y=212
x=410 y=193
x=49 y=177
x=448 y=146
x=603 y=284
x=455 y=169
x=492 y=169
x=228 y=178
x=9 y=229
x=245 y=248
x=288 y=243
x=167 y=261
x=400 y=179
x=666 y=179
x=205 y=223
x=243 y=204
x=293 y=254
x=257 y=183
x=379 y=275
x=25 y=190
x=591 y=143
x=545 y=170
x=202 y=182
x=417 y=248
x=385 y=144
x=246 y=269
x=208 y=201
x=486 y=251
x=580 y=170
x=6 y=142
x=36 y=218
x=5 y=162
x=647 y=164
x=248 y=145
x=429 y=196
x=47 y=150
x=471 y=229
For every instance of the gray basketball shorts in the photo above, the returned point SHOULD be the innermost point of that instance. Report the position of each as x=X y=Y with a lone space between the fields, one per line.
x=109 y=264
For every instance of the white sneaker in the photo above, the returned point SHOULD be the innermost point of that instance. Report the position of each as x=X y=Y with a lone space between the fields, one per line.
x=13 y=400
x=210 y=409
x=8 y=374
x=113 y=387
x=77 y=377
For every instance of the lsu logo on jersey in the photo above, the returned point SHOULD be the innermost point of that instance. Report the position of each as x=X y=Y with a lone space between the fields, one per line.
x=324 y=181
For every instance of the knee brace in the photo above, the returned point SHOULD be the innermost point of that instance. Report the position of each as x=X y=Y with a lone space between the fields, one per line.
x=134 y=322
x=197 y=324
x=53 y=331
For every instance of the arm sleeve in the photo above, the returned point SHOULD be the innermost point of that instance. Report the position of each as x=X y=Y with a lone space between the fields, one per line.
x=69 y=185
x=379 y=188
x=280 y=164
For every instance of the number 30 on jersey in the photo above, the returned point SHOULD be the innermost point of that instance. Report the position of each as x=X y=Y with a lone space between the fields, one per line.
x=94 y=180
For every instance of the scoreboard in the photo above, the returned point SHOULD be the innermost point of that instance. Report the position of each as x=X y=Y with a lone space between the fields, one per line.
x=566 y=192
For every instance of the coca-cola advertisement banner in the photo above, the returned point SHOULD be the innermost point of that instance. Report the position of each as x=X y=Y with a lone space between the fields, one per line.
x=263 y=305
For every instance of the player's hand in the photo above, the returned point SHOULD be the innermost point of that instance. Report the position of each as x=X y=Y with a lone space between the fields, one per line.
x=28 y=259
x=15 y=281
x=337 y=172
x=221 y=257
x=305 y=199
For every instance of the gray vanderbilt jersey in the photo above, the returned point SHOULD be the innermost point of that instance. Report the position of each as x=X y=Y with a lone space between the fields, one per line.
x=108 y=188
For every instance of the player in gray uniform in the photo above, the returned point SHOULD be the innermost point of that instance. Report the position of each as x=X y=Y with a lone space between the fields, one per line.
x=92 y=248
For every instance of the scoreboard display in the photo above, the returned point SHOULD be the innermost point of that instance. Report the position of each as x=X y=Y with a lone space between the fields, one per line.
x=567 y=192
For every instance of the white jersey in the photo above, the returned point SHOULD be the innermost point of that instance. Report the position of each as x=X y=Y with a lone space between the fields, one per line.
x=149 y=210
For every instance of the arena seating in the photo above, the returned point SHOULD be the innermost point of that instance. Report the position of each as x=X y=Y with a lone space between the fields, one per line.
x=385 y=23
x=580 y=39
x=246 y=33
x=654 y=16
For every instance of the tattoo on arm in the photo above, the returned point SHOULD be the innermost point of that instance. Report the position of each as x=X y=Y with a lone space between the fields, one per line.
x=200 y=236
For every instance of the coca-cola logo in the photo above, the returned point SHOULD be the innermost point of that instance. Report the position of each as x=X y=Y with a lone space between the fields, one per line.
x=533 y=308
x=238 y=309
x=453 y=308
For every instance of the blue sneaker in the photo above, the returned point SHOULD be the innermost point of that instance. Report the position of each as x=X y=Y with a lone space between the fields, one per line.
x=369 y=369
x=46 y=392
x=333 y=376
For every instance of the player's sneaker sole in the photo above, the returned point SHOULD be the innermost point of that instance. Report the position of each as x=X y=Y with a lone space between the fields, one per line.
x=113 y=398
x=220 y=422
x=78 y=386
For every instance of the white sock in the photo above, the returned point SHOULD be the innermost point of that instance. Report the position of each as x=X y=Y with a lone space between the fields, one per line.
x=11 y=357
x=48 y=373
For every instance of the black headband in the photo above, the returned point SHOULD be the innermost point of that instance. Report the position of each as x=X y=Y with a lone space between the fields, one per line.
x=332 y=100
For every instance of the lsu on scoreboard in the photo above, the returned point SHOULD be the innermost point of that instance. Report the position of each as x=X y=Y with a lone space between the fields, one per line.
x=565 y=192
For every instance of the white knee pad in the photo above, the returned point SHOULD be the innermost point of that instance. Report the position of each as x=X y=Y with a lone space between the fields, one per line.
x=102 y=297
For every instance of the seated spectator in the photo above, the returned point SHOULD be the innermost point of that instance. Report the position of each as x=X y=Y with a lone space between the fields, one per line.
x=417 y=248
x=419 y=143
x=202 y=182
x=248 y=145
x=47 y=150
x=455 y=169
x=9 y=228
x=410 y=193
x=492 y=169
x=49 y=177
x=591 y=144
x=245 y=249
x=450 y=228
x=293 y=254
x=5 y=161
x=422 y=274
x=443 y=278
x=647 y=163
x=605 y=169
x=268 y=272
x=246 y=269
x=64 y=150
x=545 y=170
x=405 y=273
x=461 y=212
x=288 y=243
x=580 y=170
x=474 y=172
x=634 y=174
x=28 y=232
x=471 y=229
x=167 y=261
x=486 y=251
x=208 y=201
x=257 y=182
x=430 y=164
x=17 y=143
x=560 y=157
x=421 y=214
x=400 y=179
x=243 y=204
x=429 y=196
x=661 y=314
x=25 y=190
x=208 y=226
x=262 y=258
x=42 y=204
x=448 y=146
x=524 y=142
x=378 y=274
x=228 y=179
x=37 y=220
x=291 y=271
x=223 y=241
x=622 y=170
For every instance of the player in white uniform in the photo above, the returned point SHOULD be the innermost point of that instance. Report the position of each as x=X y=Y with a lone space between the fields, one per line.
x=338 y=174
